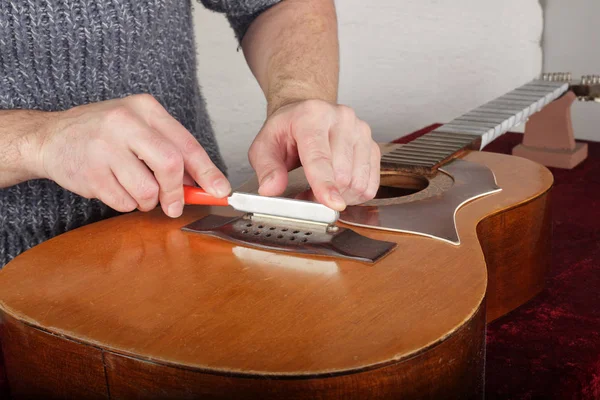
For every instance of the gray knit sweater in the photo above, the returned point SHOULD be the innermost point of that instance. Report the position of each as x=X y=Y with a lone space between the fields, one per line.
x=56 y=54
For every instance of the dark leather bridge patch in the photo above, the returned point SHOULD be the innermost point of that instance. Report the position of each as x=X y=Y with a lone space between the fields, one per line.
x=343 y=243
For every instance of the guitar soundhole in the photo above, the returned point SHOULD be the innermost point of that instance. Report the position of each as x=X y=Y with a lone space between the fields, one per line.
x=386 y=192
x=392 y=186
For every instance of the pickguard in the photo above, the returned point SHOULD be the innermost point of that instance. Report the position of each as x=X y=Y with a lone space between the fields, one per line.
x=433 y=216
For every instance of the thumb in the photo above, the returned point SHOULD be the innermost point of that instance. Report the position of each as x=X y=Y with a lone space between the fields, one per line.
x=268 y=162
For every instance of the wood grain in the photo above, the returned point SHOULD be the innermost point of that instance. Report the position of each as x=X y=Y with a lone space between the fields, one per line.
x=457 y=365
x=45 y=366
x=140 y=287
x=517 y=246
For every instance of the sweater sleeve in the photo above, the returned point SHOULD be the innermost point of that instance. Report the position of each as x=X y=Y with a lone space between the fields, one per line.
x=239 y=13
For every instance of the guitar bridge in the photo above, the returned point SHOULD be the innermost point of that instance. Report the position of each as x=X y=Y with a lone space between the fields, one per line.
x=282 y=234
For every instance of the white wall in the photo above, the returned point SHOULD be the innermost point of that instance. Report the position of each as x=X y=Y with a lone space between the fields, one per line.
x=404 y=64
x=571 y=45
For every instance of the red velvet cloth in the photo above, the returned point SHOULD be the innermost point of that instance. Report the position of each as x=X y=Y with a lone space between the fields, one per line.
x=549 y=348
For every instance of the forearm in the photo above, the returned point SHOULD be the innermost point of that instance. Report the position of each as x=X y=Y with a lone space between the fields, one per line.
x=18 y=132
x=292 y=50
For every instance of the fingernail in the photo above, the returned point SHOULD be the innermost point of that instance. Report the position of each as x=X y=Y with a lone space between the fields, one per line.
x=175 y=209
x=337 y=199
x=222 y=187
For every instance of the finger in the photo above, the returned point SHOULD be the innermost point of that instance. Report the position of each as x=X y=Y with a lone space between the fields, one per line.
x=166 y=161
x=361 y=166
x=135 y=177
x=342 y=153
x=267 y=159
x=375 y=176
x=315 y=155
x=188 y=180
x=196 y=160
x=109 y=191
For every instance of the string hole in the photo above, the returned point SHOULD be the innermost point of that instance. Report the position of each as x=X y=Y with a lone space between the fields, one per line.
x=272 y=228
x=268 y=235
x=304 y=240
x=284 y=229
x=260 y=227
x=279 y=236
x=248 y=225
x=296 y=231
x=245 y=231
x=308 y=233
x=257 y=233
x=293 y=238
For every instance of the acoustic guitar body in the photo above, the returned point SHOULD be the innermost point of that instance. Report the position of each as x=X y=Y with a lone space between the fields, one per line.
x=137 y=307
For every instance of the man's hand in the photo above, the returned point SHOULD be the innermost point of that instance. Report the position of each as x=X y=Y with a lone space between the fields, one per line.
x=340 y=159
x=129 y=153
x=292 y=50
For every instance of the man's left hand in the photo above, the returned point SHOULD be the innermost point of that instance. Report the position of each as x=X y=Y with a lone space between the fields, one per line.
x=340 y=159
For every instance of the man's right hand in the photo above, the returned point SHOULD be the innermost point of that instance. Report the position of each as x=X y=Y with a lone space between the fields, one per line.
x=129 y=153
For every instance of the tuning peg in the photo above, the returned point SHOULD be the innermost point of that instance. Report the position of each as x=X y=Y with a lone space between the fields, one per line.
x=590 y=80
x=557 y=76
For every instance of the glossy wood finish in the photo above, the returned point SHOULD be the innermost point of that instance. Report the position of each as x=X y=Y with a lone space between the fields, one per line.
x=138 y=286
x=45 y=366
x=457 y=364
x=517 y=246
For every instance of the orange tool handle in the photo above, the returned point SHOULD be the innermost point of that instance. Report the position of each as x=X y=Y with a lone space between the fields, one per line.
x=195 y=195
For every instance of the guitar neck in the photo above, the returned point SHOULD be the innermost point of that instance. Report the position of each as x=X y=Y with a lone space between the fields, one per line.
x=475 y=129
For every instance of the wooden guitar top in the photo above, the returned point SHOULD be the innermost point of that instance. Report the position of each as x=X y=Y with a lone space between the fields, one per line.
x=138 y=285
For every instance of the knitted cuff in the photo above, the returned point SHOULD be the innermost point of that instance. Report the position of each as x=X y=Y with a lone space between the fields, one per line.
x=239 y=13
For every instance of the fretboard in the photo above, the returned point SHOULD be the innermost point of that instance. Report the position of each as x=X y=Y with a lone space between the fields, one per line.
x=475 y=129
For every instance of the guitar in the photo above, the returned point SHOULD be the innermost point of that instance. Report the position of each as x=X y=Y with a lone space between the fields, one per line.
x=390 y=302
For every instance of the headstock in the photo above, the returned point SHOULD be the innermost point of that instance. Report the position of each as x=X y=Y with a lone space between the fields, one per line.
x=587 y=89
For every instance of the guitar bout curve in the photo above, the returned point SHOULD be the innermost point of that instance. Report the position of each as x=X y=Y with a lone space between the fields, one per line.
x=452 y=365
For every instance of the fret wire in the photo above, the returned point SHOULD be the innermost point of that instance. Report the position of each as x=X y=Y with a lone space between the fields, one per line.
x=516 y=102
x=419 y=159
x=400 y=165
x=408 y=161
x=519 y=96
x=503 y=99
x=433 y=144
x=434 y=147
x=473 y=131
x=457 y=122
x=448 y=137
x=440 y=132
x=426 y=153
x=415 y=155
x=477 y=130
x=534 y=91
x=428 y=146
x=445 y=141
x=423 y=148
x=493 y=118
x=500 y=118
x=516 y=105
x=428 y=149
x=507 y=106
x=499 y=113
x=504 y=111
